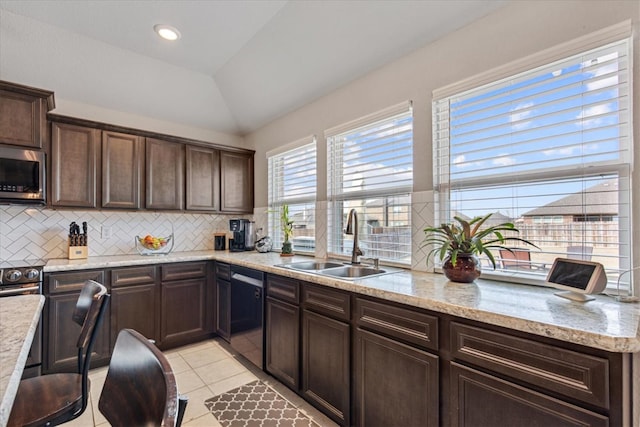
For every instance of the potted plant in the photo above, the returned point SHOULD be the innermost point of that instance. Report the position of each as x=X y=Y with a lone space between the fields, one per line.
x=458 y=245
x=287 y=230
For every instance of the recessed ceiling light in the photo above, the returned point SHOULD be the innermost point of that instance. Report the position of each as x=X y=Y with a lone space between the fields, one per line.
x=167 y=32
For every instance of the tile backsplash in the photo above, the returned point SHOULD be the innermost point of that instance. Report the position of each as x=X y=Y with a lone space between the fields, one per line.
x=40 y=233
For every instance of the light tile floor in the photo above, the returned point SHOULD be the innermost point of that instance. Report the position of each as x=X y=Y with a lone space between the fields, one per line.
x=202 y=370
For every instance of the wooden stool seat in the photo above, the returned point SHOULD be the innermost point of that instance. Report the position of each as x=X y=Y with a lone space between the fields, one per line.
x=46 y=398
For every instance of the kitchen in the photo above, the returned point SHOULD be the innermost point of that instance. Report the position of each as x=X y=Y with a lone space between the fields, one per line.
x=28 y=233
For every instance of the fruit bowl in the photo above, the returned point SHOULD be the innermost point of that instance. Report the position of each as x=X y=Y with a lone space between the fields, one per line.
x=153 y=245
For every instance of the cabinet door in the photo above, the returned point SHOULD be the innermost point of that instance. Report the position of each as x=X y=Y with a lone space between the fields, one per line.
x=325 y=365
x=223 y=309
x=22 y=119
x=395 y=384
x=236 y=171
x=122 y=168
x=74 y=160
x=184 y=312
x=165 y=174
x=135 y=307
x=478 y=399
x=283 y=342
x=61 y=336
x=203 y=178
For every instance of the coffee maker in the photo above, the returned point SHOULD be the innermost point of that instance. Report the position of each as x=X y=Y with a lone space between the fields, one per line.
x=244 y=237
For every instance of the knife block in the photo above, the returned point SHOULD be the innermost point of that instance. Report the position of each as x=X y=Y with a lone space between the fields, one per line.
x=78 y=252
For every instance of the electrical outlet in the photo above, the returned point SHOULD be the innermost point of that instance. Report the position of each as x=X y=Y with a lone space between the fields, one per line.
x=106 y=232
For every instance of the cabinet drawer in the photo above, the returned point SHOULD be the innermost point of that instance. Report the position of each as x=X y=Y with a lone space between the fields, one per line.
x=283 y=289
x=184 y=270
x=133 y=276
x=327 y=301
x=572 y=374
x=73 y=281
x=401 y=323
x=223 y=271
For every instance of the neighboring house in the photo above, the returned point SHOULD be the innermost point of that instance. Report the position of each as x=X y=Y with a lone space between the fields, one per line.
x=595 y=204
x=588 y=218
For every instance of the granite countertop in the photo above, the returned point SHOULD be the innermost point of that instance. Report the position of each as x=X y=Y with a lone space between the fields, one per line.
x=603 y=323
x=19 y=316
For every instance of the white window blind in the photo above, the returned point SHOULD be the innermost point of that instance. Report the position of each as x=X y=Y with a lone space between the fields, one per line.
x=370 y=169
x=548 y=149
x=292 y=181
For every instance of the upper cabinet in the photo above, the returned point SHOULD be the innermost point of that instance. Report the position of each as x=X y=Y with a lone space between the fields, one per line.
x=122 y=170
x=165 y=174
x=23 y=115
x=74 y=165
x=203 y=178
x=94 y=165
x=236 y=171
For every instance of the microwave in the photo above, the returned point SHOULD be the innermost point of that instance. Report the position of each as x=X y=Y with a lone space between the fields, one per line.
x=22 y=176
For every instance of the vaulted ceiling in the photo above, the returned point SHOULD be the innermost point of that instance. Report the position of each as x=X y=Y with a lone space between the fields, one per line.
x=238 y=65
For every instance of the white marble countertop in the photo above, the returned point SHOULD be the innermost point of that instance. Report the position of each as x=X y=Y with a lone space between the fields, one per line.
x=19 y=316
x=603 y=323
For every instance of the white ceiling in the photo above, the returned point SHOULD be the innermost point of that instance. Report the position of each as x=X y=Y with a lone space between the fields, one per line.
x=239 y=64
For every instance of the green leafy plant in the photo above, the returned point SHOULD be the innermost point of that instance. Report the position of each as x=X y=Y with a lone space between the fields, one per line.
x=286 y=223
x=468 y=237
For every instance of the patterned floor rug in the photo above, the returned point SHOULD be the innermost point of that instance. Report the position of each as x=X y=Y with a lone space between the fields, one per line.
x=256 y=404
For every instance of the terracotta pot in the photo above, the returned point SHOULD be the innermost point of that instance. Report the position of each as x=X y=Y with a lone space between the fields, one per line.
x=466 y=270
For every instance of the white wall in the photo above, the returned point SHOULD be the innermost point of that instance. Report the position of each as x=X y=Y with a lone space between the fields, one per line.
x=511 y=33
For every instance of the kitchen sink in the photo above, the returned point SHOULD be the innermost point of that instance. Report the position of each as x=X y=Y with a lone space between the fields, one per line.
x=312 y=265
x=337 y=270
x=352 y=272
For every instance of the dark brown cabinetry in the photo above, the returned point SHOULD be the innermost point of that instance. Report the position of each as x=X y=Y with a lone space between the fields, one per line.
x=23 y=115
x=326 y=343
x=164 y=175
x=122 y=170
x=61 y=333
x=203 y=178
x=135 y=297
x=223 y=300
x=282 y=330
x=186 y=303
x=510 y=378
x=236 y=171
x=396 y=382
x=74 y=159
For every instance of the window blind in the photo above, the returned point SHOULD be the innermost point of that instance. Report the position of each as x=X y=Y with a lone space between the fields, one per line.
x=548 y=149
x=370 y=169
x=292 y=181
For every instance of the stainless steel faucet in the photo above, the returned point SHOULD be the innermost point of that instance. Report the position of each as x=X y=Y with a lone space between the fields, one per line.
x=352 y=229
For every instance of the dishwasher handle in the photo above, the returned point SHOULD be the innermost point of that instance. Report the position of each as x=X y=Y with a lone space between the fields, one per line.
x=237 y=277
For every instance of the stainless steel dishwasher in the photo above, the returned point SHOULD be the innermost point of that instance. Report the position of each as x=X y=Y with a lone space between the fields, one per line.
x=247 y=302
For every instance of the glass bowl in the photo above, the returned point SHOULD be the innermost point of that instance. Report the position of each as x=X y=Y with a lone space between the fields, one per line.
x=150 y=245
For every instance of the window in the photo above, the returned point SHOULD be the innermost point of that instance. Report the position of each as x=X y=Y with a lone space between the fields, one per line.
x=548 y=149
x=292 y=181
x=370 y=169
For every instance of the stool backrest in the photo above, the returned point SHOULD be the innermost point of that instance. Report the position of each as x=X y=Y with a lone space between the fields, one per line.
x=140 y=388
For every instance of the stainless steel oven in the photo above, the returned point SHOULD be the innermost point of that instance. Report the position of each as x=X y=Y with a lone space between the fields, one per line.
x=22 y=175
x=24 y=278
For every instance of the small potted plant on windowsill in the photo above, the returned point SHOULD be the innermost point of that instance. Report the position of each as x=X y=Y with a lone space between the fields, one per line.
x=459 y=244
x=287 y=230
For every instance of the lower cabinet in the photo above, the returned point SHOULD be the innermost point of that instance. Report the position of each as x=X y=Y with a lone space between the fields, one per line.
x=326 y=365
x=135 y=297
x=184 y=303
x=60 y=351
x=223 y=300
x=282 y=331
x=479 y=399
